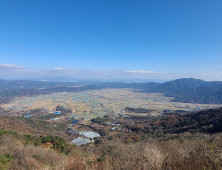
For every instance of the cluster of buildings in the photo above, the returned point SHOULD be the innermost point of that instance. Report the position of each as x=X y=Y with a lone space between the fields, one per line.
x=114 y=126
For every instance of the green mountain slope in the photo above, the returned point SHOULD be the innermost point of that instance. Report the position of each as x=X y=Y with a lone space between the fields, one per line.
x=209 y=92
x=178 y=84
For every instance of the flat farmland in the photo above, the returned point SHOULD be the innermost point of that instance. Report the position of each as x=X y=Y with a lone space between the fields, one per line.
x=98 y=103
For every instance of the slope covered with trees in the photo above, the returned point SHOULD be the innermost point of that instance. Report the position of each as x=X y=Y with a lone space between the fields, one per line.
x=208 y=92
x=190 y=90
x=179 y=84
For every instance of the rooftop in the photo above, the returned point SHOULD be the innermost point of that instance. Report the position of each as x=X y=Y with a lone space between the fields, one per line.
x=80 y=141
x=90 y=134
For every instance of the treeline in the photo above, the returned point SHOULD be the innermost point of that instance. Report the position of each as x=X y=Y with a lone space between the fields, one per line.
x=99 y=120
x=137 y=110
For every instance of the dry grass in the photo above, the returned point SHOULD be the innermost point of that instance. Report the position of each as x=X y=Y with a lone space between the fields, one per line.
x=32 y=157
x=198 y=152
x=194 y=152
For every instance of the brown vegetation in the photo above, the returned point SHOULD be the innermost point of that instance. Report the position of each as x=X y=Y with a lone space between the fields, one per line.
x=16 y=124
x=194 y=152
x=32 y=126
x=145 y=145
x=185 y=151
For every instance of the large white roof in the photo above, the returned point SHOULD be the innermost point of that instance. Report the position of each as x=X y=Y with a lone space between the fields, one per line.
x=90 y=134
x=80 y=141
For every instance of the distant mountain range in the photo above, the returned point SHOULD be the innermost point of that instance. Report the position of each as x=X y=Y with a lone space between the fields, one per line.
x=209 y=92
x=179 y=84
x=191 y=90
x=187 y=90
x=27 y=84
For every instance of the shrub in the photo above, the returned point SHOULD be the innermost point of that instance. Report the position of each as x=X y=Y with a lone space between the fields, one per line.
x=5 y=160
x=98 y=120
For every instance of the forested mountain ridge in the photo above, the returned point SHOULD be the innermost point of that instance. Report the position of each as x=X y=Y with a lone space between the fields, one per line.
x=178 y=84
x=210 y=92
x=190 y=90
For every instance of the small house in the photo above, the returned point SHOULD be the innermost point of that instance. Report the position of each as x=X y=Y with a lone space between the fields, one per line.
x=113 y=128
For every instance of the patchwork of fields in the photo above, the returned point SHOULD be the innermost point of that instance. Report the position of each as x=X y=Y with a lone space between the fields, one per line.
x=97 y=103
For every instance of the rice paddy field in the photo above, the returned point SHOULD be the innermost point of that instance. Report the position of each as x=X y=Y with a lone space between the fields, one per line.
x=97 y=103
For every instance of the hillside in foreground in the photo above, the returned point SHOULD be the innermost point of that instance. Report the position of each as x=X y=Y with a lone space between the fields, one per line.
x=178 y=141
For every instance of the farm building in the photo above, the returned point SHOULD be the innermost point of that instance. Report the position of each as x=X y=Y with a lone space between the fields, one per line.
x=90 y=134
x=80 y=141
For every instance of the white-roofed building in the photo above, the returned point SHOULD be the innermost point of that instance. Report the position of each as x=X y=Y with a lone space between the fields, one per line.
x=90 y=134
x=80 y=141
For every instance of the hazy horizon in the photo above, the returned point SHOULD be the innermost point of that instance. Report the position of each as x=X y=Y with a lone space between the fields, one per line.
x=88 y=80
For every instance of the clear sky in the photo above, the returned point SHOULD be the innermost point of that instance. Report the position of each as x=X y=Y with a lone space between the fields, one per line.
x=111 y=39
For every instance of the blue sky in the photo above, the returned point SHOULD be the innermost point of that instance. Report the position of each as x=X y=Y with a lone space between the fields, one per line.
x=111 y=39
